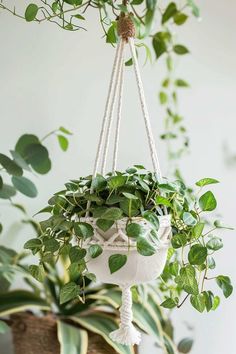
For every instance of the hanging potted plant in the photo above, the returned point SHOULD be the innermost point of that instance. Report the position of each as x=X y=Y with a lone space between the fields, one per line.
x=118 y=225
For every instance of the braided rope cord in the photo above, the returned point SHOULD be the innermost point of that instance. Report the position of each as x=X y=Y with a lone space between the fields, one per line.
x=115 y=91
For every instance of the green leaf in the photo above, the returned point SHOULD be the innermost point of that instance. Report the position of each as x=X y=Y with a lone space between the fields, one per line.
x=211 y=262
x=104 y=224
x=10 y=166
x=170 y=303
x=178 y=240
x=181 y=83
x=37 y=272
x=159 y=44
x=95 y=251
x=197 y=230
x=116 y=261
x=144 y=247
x=224 y=283
x=37 y=156
x=193 y=6
x=189 y=219
x=163 y=97
x=65 y=131
x=207 y=201
x=163 y=201
x=7 y=191
x=34 y=245
x=152 y=219
x=83 y=229
x=197 y=254
x=114 y=199
x=206 y=181
x=187 y=280
x=198 y=302
x=25 y=186
x=111 y=34
x=1 y=228
x=51 y=245
x=99 y=183
x=112 y=214
x=3 y=327
x=68 y=292
x=69 y=27
x=180 y=49
x=76 y=254
x=170 y=11
x=130 y=196
x=79 y=17
x=216 y=303
x=72 y=339
x=31 y=12
x=129 y=62
x=131 y=170
x=135 y=230
x=218 y=225
x=174 y=268
x=117 y=181
x=130 y=207
x=63 y=142
x=214 y=244
x=24 y=141
x=208 y=299
x=180 y=18
x=20 y=300
x=185 y=345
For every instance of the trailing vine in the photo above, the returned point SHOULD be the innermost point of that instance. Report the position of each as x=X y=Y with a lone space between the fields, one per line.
x=153 y=20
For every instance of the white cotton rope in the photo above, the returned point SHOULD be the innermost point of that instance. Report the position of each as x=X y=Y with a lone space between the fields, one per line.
x=105 y=117
x=126 y=334
x=118 y=120
x=112 y=105
x=107 y=107
x=151 y=141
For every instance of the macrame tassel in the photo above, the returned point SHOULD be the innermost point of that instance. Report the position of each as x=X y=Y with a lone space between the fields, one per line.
x=127 y=334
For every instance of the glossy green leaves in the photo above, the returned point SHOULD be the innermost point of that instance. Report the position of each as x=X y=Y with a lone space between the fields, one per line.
x=187 y=279
x=207 y=201
x=117 y=261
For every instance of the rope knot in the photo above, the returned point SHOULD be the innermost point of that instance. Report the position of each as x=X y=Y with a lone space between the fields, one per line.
x=125 y=26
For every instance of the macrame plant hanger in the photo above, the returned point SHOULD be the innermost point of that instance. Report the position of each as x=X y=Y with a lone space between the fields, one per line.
x=126 y=334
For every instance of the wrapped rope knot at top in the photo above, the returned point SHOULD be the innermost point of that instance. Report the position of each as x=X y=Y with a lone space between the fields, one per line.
x=125 y=26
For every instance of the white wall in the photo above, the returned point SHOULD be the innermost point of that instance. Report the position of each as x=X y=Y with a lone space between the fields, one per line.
x=50 y=78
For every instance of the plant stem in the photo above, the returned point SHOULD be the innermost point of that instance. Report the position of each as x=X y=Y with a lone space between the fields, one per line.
x=178 y=306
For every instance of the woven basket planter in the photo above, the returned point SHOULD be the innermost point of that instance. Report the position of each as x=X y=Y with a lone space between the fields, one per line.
x=138 y=269
x=38 y=335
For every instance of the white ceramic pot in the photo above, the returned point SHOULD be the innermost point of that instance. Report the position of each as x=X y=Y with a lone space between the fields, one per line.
x=138 y=269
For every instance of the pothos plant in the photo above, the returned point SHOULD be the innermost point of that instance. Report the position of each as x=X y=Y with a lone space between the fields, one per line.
x=130 y=194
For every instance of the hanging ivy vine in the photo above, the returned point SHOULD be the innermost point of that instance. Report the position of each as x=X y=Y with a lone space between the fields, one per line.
x=153 y=20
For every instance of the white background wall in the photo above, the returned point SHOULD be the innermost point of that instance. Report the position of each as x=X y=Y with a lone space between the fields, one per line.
x=50 y=77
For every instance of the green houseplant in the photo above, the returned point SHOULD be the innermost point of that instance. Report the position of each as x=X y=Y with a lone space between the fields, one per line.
x=131 y=194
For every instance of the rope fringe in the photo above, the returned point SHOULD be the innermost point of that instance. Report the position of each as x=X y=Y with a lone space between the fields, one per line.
x=126 y=334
